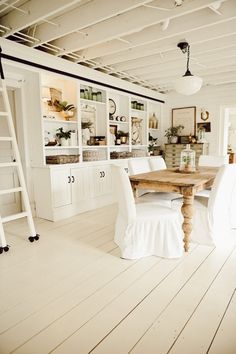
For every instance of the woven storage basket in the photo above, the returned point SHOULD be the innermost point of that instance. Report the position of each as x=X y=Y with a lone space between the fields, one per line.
x=120 y=155
x=59 y=159
x=94 y=155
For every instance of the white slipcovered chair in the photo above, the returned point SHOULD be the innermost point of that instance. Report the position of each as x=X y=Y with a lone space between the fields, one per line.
x=142 y=165
x=211 y=220
x=214 y=161
x=157 y=163
x=144 y=229
x=211 y=161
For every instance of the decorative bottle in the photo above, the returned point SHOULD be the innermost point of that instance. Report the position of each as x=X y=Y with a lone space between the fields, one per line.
x=187 y=160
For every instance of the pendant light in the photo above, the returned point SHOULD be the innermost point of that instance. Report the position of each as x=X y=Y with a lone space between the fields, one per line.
x=188 y=84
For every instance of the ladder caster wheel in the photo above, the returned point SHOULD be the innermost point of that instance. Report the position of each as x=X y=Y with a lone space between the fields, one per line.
x=1 y=250
x=6 y=248
x=36 y=237
x=31 y=238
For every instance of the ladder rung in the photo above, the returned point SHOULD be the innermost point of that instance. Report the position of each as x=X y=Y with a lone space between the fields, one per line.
x=14 y=216
x=11 y=190
x=4 y=113
x=8 y=164
x=6 y=138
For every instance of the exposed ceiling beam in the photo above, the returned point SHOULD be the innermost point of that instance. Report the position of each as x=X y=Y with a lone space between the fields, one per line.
x=180 y=68
x=124 y=24
x=198 y=36
x=168 y=81
x=36 y=11
x=201 y=59
x=178 y=26
x=196 y=49
x=83 y=17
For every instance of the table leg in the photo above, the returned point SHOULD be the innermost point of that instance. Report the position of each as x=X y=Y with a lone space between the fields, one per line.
x=187 y=211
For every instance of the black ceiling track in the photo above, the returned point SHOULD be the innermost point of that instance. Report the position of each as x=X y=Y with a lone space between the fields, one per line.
x=44 y=67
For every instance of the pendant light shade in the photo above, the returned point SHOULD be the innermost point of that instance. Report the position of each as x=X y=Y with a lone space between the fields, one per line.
x=187 y=84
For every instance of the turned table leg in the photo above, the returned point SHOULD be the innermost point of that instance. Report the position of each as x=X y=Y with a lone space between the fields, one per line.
x=187 y=211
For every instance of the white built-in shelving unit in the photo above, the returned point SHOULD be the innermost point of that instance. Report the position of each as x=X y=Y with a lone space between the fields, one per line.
x=119 y=123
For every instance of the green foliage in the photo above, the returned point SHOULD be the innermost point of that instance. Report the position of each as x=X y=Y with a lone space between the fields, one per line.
x=174 y=131
x=121 y=133
x=63 y=134
x=152 y=144
x=62 y=105
x=86 y=125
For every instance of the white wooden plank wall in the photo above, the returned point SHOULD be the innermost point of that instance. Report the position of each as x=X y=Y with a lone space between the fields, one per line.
x=72 y=293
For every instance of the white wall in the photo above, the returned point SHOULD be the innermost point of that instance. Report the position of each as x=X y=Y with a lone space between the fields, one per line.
x=213 y=99
x=232 y=130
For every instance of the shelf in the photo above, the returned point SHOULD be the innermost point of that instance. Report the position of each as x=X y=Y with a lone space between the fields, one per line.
x=83 y=100
x=117 y=122
x=118 y=146
x=60 y=147
x=155 y=130
x=94 y=146
x=48 y=120
x=138 y=146
x=138 y=110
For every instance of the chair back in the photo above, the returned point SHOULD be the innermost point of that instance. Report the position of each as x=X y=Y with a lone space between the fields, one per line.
x=124 y=193
x=214 y=161
x=220 y=200
x=157 y=163
x=138 y=165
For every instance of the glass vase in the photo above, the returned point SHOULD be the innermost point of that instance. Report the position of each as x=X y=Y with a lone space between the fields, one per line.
x=187 y=160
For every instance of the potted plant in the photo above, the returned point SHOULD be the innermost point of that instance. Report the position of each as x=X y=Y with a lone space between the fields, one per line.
x=63 y=136
x=152 y=145
x=86 y=131
x=63 y=106
x=123 y=136
x=172 y=133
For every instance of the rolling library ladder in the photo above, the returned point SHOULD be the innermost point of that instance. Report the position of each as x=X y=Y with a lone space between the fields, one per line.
x=16 y=163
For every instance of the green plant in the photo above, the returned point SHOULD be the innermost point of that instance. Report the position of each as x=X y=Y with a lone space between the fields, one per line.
x=152 y=144
x=173 y=131
x=120 y=134
x=63 y=134
x=186 y=160
x=62 y=105
x=87 y=125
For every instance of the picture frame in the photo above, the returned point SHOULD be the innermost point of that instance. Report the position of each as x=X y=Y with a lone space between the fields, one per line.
x=113 y=133
x=206 y=126
x=185 y=116
x=113 y=129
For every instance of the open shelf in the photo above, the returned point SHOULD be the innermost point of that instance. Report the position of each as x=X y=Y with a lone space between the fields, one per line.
x=83 y=100
x=57 y=147
x=48 y=120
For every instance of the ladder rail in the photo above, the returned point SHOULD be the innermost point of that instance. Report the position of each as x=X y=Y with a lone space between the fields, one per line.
x=12 y=133
x=18 y=165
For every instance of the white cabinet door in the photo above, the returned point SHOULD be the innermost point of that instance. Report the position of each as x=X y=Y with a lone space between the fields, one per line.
x=102 y=183
x=81 y=184
x=61 y=187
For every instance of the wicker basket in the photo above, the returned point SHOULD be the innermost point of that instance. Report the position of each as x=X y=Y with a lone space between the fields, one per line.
x=94 y=155
x=120 y=155
x=60 y=159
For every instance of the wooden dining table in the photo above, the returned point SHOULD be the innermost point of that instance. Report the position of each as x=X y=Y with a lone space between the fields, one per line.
x=187 y=184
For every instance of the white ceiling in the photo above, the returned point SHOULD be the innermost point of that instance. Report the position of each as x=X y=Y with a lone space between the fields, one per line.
x=135 y=40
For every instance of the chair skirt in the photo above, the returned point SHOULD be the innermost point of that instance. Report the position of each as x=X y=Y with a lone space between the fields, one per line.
x=147 y=235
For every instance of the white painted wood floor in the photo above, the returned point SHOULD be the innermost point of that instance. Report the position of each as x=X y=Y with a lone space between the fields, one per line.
x=70 y=292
